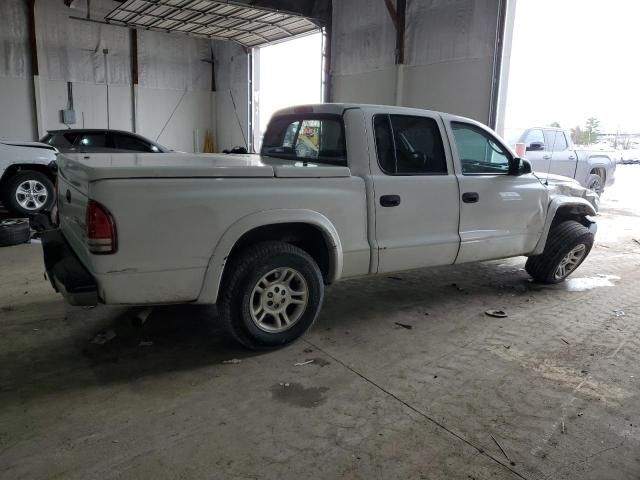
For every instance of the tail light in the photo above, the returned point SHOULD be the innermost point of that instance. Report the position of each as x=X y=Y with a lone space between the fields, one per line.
x=101 y=229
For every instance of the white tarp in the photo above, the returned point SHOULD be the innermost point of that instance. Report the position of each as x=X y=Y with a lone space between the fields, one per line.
x=445 y=30
x=173 y=61
x=74 y=50
x=364 y=38
x=15 y=60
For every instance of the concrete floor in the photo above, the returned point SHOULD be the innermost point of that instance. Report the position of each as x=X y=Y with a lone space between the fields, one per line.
x=551 y=392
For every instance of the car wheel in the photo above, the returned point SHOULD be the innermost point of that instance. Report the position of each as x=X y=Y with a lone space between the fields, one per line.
x=273 y=294
x=567 y=246
x=594 y=182
x=14 y=231
x=29 y=192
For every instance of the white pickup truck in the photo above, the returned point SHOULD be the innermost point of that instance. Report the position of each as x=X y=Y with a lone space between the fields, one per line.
x=551 y=151
x=338 y=191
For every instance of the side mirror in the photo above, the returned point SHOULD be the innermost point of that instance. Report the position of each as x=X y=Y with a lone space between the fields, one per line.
x=519 y=166
x=535 y=147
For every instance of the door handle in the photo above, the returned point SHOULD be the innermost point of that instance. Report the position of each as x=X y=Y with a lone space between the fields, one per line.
x=390 y=200
x=571 y=157
x=546 y=157
x=470 y=197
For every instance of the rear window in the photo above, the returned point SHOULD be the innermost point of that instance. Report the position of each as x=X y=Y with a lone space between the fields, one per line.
x=60 y=140
x=309 y=138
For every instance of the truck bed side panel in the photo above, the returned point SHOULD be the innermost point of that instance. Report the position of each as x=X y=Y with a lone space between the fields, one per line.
x=168 y=228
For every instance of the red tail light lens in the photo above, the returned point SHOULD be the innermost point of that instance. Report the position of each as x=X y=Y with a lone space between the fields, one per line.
x=101 y=229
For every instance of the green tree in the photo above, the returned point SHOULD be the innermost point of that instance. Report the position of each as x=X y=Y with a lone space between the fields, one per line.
x=592 y=129
x=578 y=135
x=555 y=125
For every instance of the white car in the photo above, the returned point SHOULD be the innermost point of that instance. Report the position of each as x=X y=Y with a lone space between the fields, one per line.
x=384 y=189
x=551 y=150
x=27 y=175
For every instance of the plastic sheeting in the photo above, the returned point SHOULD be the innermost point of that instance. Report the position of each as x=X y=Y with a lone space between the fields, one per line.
x=436 y=30
x=15 y=60
x=173 y=61
x=445 y=30
x=364 y=38
x=74 y=50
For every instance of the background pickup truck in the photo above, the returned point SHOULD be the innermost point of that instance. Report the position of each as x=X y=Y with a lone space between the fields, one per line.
x=551 y=150
x=339 y=191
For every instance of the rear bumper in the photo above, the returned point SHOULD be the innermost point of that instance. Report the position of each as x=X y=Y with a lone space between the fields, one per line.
x=65 y=272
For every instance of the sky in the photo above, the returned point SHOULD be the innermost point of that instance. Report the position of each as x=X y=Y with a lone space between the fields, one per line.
x=278 y=87
x=574 y=59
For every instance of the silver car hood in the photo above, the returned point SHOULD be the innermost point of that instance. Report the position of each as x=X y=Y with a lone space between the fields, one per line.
x=568 y=187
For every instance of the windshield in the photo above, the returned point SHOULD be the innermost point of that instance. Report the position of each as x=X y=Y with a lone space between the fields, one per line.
x=316 y=138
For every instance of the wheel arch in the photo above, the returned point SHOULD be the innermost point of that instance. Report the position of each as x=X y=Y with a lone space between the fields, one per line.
x=16 y=168
x=285 y=225
x=565 y=208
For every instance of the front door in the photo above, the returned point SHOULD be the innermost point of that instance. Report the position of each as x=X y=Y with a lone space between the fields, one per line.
x=416 y=193
x=537 y=152
x=563 y=160
x=501 y=215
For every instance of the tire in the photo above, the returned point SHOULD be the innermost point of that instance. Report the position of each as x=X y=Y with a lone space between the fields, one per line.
x=282 y=271
x=568 y=237
x=14 y=231
x=595 y=183
x=29 y=192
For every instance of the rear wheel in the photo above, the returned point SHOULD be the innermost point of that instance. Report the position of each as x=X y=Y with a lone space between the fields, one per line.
x=29 y=192
x=594 y=182
x=273 y=294
x=567 y=246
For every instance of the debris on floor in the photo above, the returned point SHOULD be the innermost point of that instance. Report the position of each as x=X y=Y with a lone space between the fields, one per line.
x=564 y=341
x=301 y=364
x=618 y=313
x=233 y=361
x=145 y=344
x=104 y=337
x=404 y=325
x=505 y=453
x=395 y=278
x=142 y=315
x=496 y=313
x=308 y=350
x=637 y=241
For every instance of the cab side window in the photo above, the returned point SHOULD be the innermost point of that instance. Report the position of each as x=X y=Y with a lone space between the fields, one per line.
x=535 y=140
x=408 y=145
x=556 y=141
x=479 y=152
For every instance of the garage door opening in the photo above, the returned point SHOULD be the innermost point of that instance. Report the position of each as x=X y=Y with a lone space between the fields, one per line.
x=580 y=76
x=285 y=74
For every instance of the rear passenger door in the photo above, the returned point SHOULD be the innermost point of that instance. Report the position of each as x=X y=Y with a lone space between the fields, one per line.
x=416 y=193
x=563 y=160
x=94 y=142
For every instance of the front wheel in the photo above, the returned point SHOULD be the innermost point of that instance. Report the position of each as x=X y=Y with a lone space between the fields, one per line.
x=29 y=192
x=567 y=246
x=273 y=294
